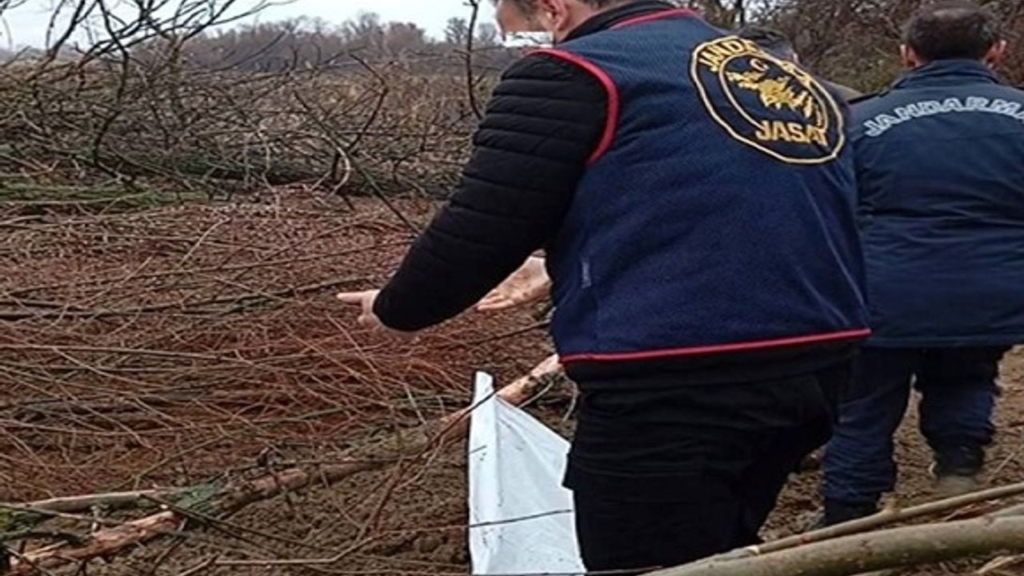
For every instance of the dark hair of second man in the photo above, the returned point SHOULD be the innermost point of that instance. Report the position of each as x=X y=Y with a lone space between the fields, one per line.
x=769 y=40
x=949 y=30
x=528 y=5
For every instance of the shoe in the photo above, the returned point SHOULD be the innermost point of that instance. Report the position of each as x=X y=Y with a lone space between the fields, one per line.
x=950 y=485
x=956 y=472
x=842 y=512
x=957 y=483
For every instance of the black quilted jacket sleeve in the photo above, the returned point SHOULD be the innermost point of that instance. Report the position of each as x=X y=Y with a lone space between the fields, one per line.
x=545 y=119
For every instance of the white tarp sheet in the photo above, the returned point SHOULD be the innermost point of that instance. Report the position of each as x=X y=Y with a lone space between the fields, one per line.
x=521 y=518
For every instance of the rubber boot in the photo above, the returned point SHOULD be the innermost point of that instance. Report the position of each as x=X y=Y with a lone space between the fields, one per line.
x=841 y=512
x=956 y=471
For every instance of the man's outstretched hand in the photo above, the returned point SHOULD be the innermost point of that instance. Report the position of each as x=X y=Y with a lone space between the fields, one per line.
x=364 y=300
x=528 y=284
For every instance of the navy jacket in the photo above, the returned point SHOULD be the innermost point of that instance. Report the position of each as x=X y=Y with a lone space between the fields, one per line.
x=940 y=164
x=718 y=213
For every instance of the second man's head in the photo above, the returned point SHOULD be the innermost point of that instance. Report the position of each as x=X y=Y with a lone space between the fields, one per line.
x=952 y=30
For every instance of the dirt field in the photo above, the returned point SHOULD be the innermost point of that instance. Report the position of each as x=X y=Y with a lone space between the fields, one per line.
x=183 y=346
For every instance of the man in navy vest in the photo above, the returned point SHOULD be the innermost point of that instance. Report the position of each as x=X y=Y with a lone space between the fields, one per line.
x=940 y=159
x=695 y=198
x=531 y=282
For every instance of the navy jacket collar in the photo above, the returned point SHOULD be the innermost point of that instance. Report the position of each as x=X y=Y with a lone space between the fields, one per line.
x=948 y=73
x=606 y=20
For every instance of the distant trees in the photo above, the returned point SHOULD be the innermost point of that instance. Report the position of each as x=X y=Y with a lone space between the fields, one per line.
x=854 y=41
x=194 y=95
x=456 y=32
x=308 y=42
x=857 y=41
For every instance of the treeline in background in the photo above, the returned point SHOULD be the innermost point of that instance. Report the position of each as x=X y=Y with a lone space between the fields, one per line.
x=188 y=97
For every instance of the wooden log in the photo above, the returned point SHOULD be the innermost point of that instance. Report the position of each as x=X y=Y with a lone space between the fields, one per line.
x=894 y=548
x=114 y=500
x=101 y=544
x=884 y=518
x=1003 y=563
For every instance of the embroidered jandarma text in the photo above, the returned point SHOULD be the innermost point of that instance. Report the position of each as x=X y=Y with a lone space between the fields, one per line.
x=884 y=122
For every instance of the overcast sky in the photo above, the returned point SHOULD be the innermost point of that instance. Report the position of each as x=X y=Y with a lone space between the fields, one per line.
x=26 y=24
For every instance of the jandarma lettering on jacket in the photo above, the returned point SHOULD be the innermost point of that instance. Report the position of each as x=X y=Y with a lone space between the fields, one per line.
x=883 y=122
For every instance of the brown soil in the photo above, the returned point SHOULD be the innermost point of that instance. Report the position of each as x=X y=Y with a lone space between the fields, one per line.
x=408 y=519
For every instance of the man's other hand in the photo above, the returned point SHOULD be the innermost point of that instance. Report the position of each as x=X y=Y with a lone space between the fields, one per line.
x=528 y=284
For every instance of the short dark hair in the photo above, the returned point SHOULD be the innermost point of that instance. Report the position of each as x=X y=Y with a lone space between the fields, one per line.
x=528 y=5
x=769 y=40
x=947 y=30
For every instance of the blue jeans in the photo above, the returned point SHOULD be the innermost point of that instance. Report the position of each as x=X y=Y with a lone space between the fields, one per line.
x=958 y=389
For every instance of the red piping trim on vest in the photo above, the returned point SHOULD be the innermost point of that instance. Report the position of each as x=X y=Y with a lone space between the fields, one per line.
x=702 y=350
x=656 y=16
x=614 y=103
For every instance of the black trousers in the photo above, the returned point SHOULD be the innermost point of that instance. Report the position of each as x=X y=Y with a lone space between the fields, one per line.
x=665 y=475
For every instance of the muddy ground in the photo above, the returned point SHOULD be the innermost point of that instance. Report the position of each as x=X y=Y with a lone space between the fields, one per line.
x=405 y=520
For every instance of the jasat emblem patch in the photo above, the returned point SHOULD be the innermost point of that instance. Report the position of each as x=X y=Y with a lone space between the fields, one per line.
x=766 y=102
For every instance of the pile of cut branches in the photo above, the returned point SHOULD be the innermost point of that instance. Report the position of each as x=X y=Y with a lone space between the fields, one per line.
x=192 y=359
x=141 y=338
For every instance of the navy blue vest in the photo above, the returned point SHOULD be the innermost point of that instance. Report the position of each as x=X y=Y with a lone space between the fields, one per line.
x=717 y=214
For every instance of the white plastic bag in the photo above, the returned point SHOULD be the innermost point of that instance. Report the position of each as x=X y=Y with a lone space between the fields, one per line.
x=521 y=519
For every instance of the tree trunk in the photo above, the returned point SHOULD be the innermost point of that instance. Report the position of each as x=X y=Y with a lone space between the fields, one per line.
x=895 y=548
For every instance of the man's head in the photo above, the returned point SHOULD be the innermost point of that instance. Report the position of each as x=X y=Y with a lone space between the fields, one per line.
x=556 y=17
x=772 y=41
x=952 y=30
